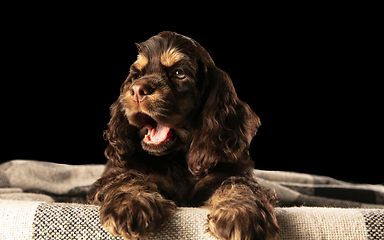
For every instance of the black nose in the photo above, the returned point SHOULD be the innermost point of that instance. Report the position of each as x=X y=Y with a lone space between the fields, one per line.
x=139 y=91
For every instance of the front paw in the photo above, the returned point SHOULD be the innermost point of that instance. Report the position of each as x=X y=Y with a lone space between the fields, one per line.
x=136 y=217
x=242 y=221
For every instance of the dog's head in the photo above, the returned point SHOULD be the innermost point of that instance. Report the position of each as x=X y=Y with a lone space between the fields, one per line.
x=176 y=99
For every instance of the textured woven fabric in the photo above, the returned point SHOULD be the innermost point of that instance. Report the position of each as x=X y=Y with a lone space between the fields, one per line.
x=321 y=223
x=35 y=220
x=73 y=221
x=61 y=221
x=16 y=218
x=374 y=220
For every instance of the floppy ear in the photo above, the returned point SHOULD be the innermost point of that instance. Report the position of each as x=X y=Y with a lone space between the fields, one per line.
x=225 y=127
x=123 y=138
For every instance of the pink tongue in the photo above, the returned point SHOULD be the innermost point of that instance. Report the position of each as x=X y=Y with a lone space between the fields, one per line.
x=157 y=135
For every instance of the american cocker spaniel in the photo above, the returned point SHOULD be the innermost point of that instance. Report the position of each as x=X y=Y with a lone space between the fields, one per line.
x=179 y=136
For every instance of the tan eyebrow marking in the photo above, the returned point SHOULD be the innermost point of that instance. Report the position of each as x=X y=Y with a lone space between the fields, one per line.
x=141 y=62
x=170 y=57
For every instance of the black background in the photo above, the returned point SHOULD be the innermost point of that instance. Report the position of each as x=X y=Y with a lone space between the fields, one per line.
x=308 y=76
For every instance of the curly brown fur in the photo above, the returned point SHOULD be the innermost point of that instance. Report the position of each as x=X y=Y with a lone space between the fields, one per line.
x=241 y=209
x=131 y=206
x=179 y=136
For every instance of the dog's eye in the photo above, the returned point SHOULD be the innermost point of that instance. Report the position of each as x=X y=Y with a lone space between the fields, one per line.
x=136 y=76
x=179 y=74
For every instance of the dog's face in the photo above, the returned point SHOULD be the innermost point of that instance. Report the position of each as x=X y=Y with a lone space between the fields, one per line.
x=175 y=98
x=161 y=92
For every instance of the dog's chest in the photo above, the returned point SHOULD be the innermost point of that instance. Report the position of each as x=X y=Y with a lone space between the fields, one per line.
x=176 y=185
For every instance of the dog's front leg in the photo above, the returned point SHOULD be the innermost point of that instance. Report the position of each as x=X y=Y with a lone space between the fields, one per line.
x=130 y=204
x=242 y=210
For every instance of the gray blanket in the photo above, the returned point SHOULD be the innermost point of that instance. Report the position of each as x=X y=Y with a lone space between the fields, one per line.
x=31 y=192
x=51 y=182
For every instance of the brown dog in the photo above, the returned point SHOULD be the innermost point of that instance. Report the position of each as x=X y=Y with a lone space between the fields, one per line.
x=179 y=136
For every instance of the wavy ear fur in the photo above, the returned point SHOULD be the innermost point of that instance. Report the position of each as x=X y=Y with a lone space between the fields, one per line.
x=122 y=137
x=225 y=127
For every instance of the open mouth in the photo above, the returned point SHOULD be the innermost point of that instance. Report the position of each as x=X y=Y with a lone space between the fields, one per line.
x=157 y=133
